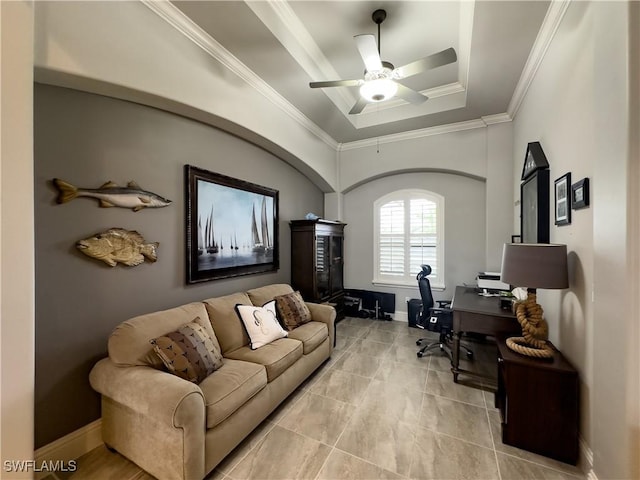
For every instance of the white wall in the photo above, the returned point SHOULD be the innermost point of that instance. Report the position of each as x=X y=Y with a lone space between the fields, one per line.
x=16 y=234
x=472 y=168
x=577 y=108
x=465 y=224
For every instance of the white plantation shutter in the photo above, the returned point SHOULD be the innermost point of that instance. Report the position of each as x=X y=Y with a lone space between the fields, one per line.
x=409 y=233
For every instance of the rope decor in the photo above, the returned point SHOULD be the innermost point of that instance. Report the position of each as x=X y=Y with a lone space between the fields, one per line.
x=535 y=330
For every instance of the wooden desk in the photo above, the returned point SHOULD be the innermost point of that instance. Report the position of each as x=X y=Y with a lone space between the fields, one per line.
x=475 y=313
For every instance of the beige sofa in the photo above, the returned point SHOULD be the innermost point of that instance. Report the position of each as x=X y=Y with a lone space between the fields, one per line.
x=176 y=429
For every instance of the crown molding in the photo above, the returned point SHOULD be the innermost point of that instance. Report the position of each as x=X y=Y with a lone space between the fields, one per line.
x=497 y=118
x=414 y=134
x=547 y=31
x=178 y=20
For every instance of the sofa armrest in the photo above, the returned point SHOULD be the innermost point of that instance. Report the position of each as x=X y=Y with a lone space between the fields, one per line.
x=325 y=314
x=148 y=391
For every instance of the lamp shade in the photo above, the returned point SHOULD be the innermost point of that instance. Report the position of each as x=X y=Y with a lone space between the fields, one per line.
x=535 y=265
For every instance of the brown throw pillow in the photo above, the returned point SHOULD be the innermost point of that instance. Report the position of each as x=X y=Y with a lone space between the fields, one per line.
x=292 y=310
x=189 y=352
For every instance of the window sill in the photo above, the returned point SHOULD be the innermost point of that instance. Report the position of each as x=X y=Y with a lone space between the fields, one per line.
x=412 y=286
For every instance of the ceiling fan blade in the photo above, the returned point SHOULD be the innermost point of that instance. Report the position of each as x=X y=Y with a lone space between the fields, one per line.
x=439 y=59
x=369 y=52
x=336 y=83
x=358 y=107
x=410 y=95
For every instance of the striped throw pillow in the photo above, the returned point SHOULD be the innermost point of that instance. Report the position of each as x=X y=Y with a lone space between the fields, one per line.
x=189 y=352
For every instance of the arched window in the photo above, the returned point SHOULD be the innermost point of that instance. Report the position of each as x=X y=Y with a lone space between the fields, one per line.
x=408 y=232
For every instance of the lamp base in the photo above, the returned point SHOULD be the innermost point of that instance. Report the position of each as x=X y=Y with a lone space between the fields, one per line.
x=535 y=330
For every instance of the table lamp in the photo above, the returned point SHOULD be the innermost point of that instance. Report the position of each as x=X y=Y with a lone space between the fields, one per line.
x=533 y=265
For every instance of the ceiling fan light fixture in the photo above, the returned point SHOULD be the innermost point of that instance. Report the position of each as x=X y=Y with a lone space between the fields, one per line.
x=378 y=90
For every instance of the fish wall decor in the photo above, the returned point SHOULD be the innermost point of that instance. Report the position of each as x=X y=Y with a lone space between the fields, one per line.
x=118 y=245
x=112 y=195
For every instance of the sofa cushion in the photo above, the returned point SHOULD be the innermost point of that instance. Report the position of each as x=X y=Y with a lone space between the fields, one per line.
x=276 y=356
x=261 y=323
x=230 y=387
x=311 y=335
x=189 y=352
x=262 y=295
x=225 y=322
x=292 y=310
x=129 y=342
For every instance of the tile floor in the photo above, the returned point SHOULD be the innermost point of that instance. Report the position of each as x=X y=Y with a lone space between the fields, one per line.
x=373 y=411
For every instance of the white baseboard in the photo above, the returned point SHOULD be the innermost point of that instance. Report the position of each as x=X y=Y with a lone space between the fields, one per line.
x=71 y=446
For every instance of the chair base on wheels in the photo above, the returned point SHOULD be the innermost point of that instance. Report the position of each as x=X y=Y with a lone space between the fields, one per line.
x=444 y=344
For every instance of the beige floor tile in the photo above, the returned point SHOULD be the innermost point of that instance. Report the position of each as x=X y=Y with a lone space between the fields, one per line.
x=347 y=467
x=103 y=464
x=368 y=347
x=318 y=417
x=402 y=375
x=438 y=456
x=517 y=468
x=363 y=365
x=287 y=404
x=215 y=475
x=238 y=453
x=351 y=330
x=457 y=419
x=398 y=353
x=381 y=440
x=342 y=386
x=391 y=326
x=343 y=342
x=382 y=336
x=408 y=341
x=441 y=383
x=282 y=454
x=401 y=403
x=356 y=322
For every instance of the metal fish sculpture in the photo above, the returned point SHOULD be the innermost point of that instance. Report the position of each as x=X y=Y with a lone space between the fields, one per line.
x=112 y=195
x=118 y=245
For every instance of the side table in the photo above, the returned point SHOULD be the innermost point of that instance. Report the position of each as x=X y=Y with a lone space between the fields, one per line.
x=539 y=403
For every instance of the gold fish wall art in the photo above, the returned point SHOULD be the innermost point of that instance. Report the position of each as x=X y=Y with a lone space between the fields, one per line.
x=112 y=195
x=118 y=245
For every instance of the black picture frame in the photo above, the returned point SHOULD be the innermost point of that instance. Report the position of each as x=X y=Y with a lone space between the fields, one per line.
x=534 y=208
x=580 y=194
x=534 y=160
x=562 y=196
x=231 y=226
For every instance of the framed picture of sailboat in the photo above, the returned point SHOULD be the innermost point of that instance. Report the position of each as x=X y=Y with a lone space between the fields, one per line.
x=231 y=226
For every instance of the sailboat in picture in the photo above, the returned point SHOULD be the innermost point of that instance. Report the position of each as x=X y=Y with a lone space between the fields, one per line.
x=258 y=246
x=211 y=245
x=200 y=237
x=268 y=245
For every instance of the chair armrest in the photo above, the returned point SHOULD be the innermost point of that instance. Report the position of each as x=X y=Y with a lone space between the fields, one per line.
x=137 y=388
x=325 y=314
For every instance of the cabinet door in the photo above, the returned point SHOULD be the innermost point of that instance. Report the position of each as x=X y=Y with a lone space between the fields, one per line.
x=336 y=264
x=323 y=266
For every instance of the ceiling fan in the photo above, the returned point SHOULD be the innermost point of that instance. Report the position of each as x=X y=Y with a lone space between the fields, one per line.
x=380 y=77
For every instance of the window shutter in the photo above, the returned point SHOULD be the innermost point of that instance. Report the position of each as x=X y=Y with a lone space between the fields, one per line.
x=391 y=239
x=408 y=236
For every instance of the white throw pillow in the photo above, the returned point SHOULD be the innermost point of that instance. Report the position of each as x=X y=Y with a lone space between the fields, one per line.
x=261 y=323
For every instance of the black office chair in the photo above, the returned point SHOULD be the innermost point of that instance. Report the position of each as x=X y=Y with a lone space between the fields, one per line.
x=434 y=319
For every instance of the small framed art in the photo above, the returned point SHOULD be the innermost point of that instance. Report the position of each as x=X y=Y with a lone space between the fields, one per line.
x=580 y=194
x=563 y=199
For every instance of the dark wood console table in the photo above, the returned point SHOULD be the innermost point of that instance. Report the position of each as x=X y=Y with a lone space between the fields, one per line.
x=538 y=402
x=478 y=314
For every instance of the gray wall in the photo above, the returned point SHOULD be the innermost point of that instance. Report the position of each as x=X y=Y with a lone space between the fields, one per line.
x=86 y=140
x=464 y=230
